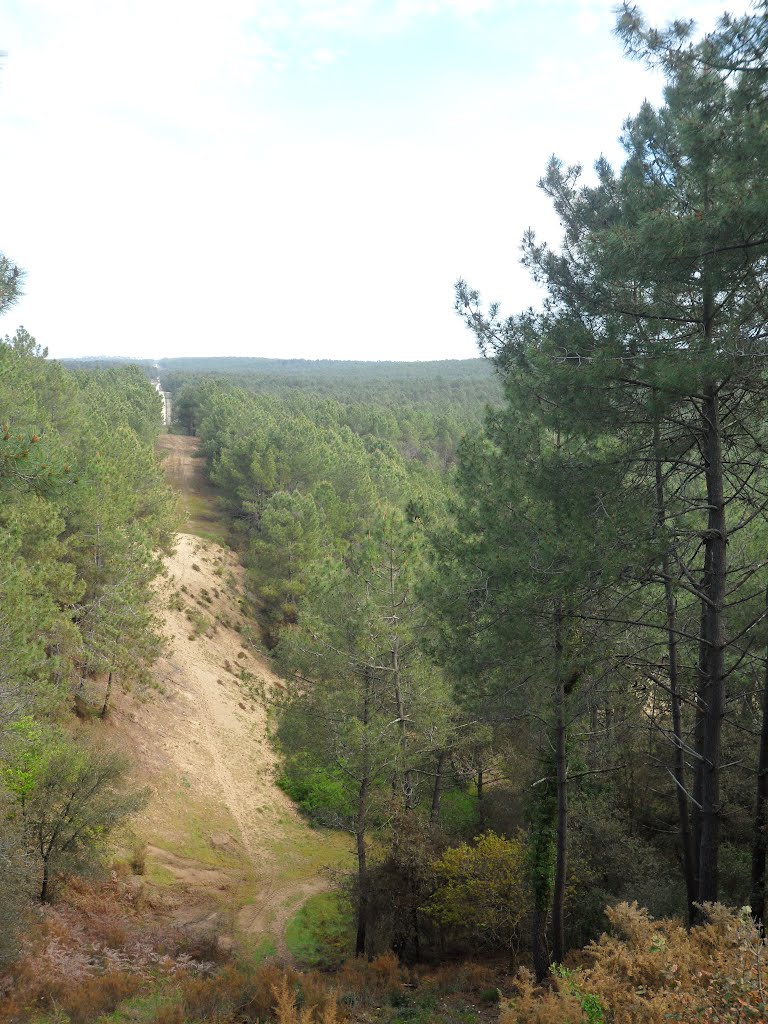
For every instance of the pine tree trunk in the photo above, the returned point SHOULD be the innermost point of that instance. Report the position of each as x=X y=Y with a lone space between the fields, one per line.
x=561 y=848
x=539 y=949
x=593 y=750
x=408 y=786
x=760 y=835
x=561 y=782
x=678 y=770
x=437 y=790
x=107 y=695
x=44 y=886
x=702 y=698
x=362 y=870
x=360 y=829
x=561 y=778
x=716 y=540
x=542 y=822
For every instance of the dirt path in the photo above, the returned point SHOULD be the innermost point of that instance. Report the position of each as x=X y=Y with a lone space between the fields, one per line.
x=226 y=846
x=183 y=469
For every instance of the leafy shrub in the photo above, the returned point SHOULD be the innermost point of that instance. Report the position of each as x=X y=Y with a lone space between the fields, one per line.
x=482 y=891
x=138 y=858
x=318 y=791
x=68 y=795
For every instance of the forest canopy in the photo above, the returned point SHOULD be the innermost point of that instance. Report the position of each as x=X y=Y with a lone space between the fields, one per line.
x=520 y=603
x=86 y=517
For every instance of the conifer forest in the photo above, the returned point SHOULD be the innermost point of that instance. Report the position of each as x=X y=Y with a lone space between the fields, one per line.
x=414 y=692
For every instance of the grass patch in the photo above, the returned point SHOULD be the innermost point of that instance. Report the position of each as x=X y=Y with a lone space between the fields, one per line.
x=303 y=852
x=158 y=874
x=321 y=933
x=187 y=825
x=139 y=1008
x=253 y=950
x=201 y=518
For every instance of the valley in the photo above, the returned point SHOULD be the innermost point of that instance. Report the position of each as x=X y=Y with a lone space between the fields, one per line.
x=227 y=851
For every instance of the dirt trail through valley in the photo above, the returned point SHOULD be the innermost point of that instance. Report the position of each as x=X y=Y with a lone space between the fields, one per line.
x=225 y=843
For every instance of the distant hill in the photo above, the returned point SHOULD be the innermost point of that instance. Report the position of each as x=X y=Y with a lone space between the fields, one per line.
x=445 y=368
x=448 y=369
x=470 y=382
x=105 y=362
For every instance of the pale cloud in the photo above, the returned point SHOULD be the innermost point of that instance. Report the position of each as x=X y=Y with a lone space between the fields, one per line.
x=370 y=17
x=166 y=199
x=323 y=56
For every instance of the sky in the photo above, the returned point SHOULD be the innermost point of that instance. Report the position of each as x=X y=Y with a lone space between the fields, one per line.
x=294 y=178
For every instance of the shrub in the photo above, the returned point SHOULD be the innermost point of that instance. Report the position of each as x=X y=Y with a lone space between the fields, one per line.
x=248 y=995
x=366 y=982
x=653 y=972
x=609 y=863
x=138 y=858
x=89 y=951
x=317 y=790
x=93 y=997
x=200 y=622
x=482 y=891
x=287 y=1011
x=467 y=976
x=69 y=797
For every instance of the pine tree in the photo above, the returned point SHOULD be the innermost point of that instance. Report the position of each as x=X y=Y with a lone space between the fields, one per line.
x=655 y=316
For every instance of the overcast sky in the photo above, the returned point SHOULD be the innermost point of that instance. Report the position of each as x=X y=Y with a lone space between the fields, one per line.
x=297 y=178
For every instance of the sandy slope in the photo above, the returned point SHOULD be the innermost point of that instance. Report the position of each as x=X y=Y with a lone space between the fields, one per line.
x=225 y=844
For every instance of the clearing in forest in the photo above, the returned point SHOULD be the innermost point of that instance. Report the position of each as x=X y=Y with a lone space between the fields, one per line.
x=227 y=849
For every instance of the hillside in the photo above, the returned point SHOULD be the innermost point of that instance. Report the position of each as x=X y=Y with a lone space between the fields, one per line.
x=226 y=850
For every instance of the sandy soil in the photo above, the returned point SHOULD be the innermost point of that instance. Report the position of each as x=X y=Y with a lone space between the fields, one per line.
x=225 y=844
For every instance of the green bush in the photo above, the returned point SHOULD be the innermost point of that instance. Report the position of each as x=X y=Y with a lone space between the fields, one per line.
x=318 y=791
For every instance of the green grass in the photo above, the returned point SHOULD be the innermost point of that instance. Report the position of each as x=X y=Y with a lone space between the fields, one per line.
x=253 y=949
x=321 y=933
x=302 y=852
x=201 y=518
x=188 y=825
x=157 y=874
x=139 y=1008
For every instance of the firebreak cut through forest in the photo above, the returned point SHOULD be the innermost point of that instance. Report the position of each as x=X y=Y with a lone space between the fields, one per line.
x=496 y=629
